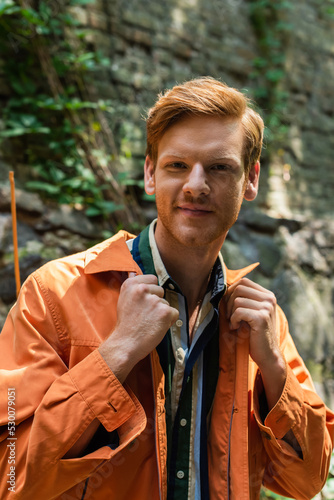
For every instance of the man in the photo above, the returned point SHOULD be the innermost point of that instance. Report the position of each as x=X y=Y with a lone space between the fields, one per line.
x=143 y=368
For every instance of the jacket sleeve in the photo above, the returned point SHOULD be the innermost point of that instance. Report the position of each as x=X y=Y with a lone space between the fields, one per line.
x=299 y=474
x=45 y=407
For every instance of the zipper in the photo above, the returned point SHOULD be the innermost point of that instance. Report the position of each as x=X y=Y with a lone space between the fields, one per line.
x=229 y=453
x=85 y=488
x=155 y=431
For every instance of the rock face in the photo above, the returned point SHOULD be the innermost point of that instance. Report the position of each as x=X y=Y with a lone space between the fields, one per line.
x=153 y=45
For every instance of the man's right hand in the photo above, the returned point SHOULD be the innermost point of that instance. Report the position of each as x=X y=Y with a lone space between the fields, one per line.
x=143 y=319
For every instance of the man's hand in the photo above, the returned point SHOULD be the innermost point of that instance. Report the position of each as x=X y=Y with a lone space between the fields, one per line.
x=143 y=318
x=251 y=306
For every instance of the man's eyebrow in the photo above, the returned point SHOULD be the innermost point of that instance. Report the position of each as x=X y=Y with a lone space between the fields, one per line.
x=222 y=155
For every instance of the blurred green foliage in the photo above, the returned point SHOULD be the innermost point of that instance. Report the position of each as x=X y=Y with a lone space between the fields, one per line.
x=272 y=27
x=66 y=138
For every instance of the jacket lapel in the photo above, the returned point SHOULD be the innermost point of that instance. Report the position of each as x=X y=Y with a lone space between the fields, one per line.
x=228 y=437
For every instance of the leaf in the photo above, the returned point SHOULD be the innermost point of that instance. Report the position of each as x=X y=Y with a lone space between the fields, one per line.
x=110 y=206
x=8 y=7
x=133 y=182
x=86 y=57
x=80 y=2
x=74 y=183
x=18 y=87
x=29 y=120
x=93 y=211
x=32 y=16
x=38 y=130
x=43 y=186
x=14 y=132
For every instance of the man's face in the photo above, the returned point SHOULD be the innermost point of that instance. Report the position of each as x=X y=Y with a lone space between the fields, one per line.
x=199 y=180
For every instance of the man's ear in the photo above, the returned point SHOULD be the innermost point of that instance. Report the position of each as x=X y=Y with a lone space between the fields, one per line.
x=252 y=183
x=149 y=179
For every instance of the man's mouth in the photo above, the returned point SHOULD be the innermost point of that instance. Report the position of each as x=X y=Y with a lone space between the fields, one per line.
x=194 y=210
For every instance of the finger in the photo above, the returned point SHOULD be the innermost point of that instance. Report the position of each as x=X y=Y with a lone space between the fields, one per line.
x=245 y=284
x=242 y=316
x=245 y=303
x=175 y=315
x=142 y=278
x=240 y=291
x=146 y=278
x=258 y=320
x=164 y=301
x=155 y=290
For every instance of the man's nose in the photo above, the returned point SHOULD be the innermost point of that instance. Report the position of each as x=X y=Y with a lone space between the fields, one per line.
x=197 y=182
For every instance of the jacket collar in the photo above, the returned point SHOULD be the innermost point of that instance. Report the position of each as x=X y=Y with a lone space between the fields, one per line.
x=113 y=255
x=234 y=275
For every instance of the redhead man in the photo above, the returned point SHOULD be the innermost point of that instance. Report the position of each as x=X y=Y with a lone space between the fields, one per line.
x=143 y=368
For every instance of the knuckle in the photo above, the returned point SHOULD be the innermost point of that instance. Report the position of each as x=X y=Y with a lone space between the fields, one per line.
x=164 y=311
x=238 y=302
x=126 y=284
x=272 y=299
x=152 y=278
x=142 y=288
x=264 y=316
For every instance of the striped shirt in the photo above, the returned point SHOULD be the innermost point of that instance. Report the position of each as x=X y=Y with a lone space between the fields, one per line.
x=191 y=372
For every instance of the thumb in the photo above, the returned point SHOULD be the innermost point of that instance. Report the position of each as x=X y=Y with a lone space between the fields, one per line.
x=131 y=274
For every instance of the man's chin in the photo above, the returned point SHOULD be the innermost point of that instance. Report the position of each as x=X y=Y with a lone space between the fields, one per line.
x=200 y=238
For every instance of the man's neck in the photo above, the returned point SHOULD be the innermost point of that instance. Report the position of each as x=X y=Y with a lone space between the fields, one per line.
x=190 y=267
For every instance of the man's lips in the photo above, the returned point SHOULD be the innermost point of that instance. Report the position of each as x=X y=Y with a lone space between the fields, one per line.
x=190 y=209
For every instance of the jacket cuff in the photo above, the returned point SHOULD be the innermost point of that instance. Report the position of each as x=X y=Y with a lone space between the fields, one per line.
x=103 y=393
x=287 y=411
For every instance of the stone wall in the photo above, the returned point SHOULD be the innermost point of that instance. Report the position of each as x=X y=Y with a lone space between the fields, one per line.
x=151 y=46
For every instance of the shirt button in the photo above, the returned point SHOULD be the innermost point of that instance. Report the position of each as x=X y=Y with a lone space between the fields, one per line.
x=183 y=422
x=180 y=474
x=171 y=286
x=179 y=322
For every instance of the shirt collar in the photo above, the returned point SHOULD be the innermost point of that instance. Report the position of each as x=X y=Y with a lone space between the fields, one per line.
x=159 y=266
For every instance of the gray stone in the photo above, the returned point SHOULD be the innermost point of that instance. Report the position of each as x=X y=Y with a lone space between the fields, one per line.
x=257 y=248
x=301 y=249
x=259 y=221
x=5 y=228
x=80 y=14
x=140 y=18
x=65 y=241
x=73 y=220
x=4 y=310
x=27 y=202
x=307 y=313
x=28 y=264
x=25 y=234
x=98 y=20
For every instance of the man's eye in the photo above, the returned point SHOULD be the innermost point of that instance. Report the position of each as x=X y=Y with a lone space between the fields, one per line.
x=220 y=166
x=178 y=165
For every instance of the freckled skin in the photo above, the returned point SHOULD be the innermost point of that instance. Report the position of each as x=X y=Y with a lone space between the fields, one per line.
x=199 y=165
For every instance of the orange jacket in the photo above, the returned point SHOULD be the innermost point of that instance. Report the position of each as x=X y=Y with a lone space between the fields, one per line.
x=48 y=357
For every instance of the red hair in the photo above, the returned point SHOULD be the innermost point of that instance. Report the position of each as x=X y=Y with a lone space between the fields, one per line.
x=210 y=97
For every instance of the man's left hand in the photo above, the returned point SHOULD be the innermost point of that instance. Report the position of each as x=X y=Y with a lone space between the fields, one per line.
x=251 y=306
